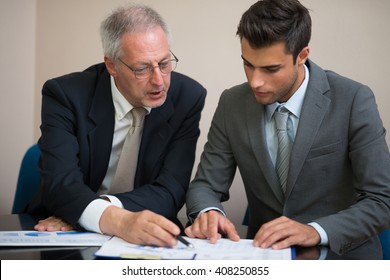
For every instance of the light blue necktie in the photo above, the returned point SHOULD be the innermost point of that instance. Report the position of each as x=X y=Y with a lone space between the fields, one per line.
x=284 y=146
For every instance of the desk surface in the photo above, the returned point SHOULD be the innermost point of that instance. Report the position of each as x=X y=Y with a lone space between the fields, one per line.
x=26 y=222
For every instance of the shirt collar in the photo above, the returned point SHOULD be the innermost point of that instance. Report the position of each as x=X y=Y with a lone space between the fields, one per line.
x=294 y=104
x=121 y=105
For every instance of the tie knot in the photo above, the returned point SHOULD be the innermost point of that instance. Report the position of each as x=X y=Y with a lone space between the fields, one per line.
x=138 y=115
x=281 y=115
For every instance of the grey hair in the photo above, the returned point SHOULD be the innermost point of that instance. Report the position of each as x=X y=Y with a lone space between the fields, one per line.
x=129 y=19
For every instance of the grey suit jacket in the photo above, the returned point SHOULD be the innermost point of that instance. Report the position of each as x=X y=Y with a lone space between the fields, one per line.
x=339 y=172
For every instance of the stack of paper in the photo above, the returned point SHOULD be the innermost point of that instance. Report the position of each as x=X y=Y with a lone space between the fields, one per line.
x=224 y=249
x=114 y=247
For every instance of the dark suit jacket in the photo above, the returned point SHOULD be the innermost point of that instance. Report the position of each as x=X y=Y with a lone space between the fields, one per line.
x=77 y=132
x=339 y=172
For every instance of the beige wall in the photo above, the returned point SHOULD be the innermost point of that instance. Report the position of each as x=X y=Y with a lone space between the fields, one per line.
x=17 y=61
x=348 y=37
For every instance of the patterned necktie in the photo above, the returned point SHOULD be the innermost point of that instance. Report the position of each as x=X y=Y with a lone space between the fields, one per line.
x=127 y=164
x=284 y=146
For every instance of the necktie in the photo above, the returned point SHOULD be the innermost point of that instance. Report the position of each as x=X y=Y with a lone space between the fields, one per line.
x=284 y=146
x=127 y=164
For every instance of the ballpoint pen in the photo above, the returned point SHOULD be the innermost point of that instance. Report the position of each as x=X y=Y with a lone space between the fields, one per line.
x=185 y=242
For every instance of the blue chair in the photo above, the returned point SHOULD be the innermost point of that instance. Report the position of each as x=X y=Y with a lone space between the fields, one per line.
x=28 y=180
x=384 y=237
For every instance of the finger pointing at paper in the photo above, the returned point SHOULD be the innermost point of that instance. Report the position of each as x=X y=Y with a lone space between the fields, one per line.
x=212 y=225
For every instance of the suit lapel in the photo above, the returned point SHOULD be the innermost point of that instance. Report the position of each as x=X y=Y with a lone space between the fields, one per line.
x=256 y=131
x=102 y=115
x=156 y=130
x=314 y=109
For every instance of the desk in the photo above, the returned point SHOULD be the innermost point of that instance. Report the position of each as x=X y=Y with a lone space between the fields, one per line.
x=26 y=222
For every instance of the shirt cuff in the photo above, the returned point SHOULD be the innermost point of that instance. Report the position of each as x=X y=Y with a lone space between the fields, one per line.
x=91 y=215
x=324 y=237
x=323 y=253
x=114 y=200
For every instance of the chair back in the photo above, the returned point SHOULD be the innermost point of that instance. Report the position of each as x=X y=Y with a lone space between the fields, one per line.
x=245 y=220
x=384 y=237
x=28 y=180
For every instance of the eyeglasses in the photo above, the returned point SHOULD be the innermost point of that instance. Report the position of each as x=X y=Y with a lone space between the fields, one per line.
x=165 y=66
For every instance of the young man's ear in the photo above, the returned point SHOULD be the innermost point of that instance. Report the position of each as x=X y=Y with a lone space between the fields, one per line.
x=303 y=55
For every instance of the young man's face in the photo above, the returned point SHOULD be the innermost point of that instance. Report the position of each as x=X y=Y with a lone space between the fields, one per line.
x=271 y=72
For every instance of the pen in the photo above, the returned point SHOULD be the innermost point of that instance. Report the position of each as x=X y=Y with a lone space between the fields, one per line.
x=184 y=241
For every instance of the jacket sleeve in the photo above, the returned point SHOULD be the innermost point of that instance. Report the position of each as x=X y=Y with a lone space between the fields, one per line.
x=64 y=190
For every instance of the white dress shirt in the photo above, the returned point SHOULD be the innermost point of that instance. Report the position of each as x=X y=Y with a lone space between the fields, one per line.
x=90 y=217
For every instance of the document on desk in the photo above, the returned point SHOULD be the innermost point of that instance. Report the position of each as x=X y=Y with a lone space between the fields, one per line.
x=56 y=238
x=224 y=249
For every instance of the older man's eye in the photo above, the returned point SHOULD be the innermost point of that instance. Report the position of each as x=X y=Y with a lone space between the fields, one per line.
x=164 y=64
x=142 y=71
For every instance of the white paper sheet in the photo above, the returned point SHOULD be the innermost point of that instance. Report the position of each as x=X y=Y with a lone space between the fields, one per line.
x=224 y=249
x=57 y=238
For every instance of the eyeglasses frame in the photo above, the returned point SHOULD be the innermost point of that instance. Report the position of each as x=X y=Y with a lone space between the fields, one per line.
x=151 y=67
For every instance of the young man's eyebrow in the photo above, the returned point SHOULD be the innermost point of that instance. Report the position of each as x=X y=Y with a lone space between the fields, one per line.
x=262 y=67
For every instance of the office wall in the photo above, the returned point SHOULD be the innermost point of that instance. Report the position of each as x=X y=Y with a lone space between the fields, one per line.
x=348 y=37
x=17 y=79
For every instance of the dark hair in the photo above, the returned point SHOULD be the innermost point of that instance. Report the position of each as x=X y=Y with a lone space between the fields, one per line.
x=270 y=21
